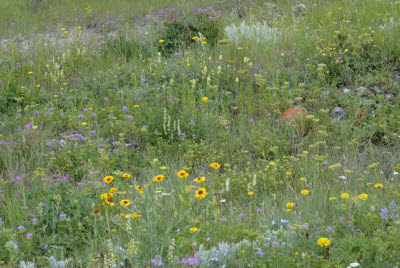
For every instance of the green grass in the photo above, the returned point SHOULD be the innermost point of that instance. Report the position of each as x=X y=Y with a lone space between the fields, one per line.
x=117 y=104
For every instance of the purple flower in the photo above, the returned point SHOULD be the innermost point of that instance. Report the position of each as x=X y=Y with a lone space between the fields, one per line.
x=21 y=228
x=384 y=213
x=81 y=116
x=341 y=218
x=191 y=261
x=259 y=210
x=227 y=127
x=251 y=120
x=94 y=115
x=63 y=216
x=275 y=244
x=36 y=113
x=124 y=108
x=29 y=235
x=34 y=220
x=85 y=110
x=18 y=64
x=18 y=178
x=339 y=58
x=18 y=192
x=145 y=127
x=93 y=132
x=192 y=121
x=224 y=219
x=304 y=226
x=242 y=215
x=340 y=110
x=106 y=99
x=115 y=150
x=157 y=260
x=177 y=54
x=49 y=143
x=329 y=228
x=194 y=136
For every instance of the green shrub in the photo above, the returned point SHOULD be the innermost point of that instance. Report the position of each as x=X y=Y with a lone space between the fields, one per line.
x=179 y=30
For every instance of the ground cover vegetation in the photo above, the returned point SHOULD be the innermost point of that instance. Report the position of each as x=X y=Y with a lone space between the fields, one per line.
x=149 y=134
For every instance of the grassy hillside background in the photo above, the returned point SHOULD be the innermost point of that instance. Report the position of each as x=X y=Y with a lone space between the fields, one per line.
x=148 y=133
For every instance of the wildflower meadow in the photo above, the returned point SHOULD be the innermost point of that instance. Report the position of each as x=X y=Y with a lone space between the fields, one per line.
x=243 y=133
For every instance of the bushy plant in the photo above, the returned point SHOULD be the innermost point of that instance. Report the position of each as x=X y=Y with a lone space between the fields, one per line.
x=180 y=29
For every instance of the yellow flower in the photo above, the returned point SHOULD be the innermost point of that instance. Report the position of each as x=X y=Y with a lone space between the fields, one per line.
x=163 y=167
x=193 y=229
x=272 y=163
x=215 y=165
x=113 y=190
x=135 y=106
x=305 y=192
x=204 y=43
x=134 y=215
x=84 y=123
x=303 y=179
x=205 y=99
x=363 y=196
x=103 y=196
x=288 y=173
x=201 y=193
x=140 y=189
x=204 y=38
x=108 y=179
x=344 y=195
x=378 y=185
x=290 y=205
x=274 y=195
x=182 y=174
x=199 y=179
x=161 y=41
x=332 y=198
x=324 y=242
x=195 y=38
x=30 y=72
x=126 y=175
x=125 y=202
x=37 y=86
x=250 y=192
x=158 y=178
x=108 y=201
